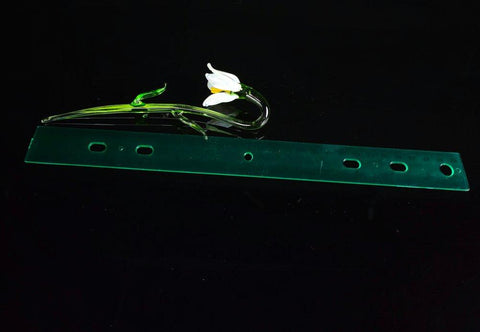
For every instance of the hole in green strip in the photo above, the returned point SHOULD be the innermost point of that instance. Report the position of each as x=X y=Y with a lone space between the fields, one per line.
x=144 y=149
x=351 y=163
x=398 y=166
x=446 y=169
x=97 y=147
x=248 y=156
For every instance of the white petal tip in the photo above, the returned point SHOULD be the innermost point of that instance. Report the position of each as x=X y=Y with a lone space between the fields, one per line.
x=218 y=98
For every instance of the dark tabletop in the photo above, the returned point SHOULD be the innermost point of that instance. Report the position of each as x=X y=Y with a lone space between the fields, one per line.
x=93 y=249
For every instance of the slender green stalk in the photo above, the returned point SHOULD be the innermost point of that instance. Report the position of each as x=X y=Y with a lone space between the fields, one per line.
x=180 y=111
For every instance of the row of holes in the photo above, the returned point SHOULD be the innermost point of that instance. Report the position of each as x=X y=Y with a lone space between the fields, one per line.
x=101 y=147
x=144 y=149
x=397 y=166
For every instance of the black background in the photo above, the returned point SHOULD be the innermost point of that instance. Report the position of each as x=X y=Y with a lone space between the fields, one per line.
x=93 y=249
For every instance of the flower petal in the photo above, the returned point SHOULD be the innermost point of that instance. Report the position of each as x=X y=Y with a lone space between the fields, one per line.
x=224 y=73
x=218 y=98
x=223 y=83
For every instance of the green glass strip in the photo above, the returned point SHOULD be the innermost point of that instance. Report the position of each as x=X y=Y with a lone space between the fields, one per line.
x=247 y=157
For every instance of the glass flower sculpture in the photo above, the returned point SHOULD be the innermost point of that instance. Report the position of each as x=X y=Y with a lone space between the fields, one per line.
x=225 y=87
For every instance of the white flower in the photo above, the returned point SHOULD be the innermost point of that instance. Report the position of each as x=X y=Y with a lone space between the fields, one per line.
x=223 y=86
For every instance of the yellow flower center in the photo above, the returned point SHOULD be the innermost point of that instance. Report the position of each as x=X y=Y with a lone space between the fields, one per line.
x=216 y=90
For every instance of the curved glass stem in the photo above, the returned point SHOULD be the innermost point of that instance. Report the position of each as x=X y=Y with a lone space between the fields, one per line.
x=180 y=111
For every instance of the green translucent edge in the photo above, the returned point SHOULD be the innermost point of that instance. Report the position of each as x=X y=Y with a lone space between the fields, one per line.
x=247 y=157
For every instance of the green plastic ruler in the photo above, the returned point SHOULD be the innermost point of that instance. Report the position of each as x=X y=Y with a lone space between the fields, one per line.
x=247 y=157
